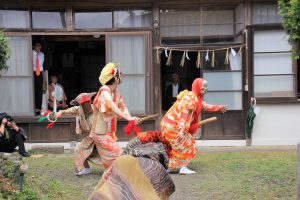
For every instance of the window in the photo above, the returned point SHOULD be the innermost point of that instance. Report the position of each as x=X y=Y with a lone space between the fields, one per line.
x=134 y=66
x=224 y=80
x=48 y=20
x=93 y=20
x=265 y=13
x=132 y=18
x=272 y=64
x=208 y=24
x=14 y=19
x=180 y=23
x=16 y=83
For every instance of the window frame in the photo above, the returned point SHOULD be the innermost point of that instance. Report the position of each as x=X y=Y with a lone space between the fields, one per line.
x=266 y=27
x=149 y=105
x=32 y=101
x=50 y=29
x=19 y=9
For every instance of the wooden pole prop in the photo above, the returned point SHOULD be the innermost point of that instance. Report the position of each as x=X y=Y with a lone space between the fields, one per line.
x=149 y=117
x=212 y=119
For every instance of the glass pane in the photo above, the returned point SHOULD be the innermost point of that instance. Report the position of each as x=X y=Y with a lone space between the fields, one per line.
x=135 y=99
x=275 y=63
x=20 y=58
x=218 y=16
x=265 y=13
x=16 y=96
x=277 y=40
x=175 y=23
x=49 y=20
x=219 y=29
x=224 y=80
x=87 y=20
x=129 y=51
x=14 y=19
x=274 y=86
x=235 y=62
x=233 y=100
x=217 y=22
x=133 y=18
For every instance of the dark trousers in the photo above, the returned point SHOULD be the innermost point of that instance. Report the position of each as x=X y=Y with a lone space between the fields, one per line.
x=38 y=89
x=15 y=140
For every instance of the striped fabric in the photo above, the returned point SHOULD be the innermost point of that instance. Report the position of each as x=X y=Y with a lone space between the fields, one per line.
x=139 y=174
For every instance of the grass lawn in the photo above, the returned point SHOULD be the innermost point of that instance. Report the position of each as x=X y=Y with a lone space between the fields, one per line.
x=238 y=175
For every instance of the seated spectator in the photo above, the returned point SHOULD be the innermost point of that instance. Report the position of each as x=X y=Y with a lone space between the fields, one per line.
x=11 y=136
x=59 y=90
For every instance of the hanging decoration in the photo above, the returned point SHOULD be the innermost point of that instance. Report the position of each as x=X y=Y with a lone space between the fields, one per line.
x=168 y=54
x=207 y=56
x=213 y=59
x=199 y=62
x=240 y=51
x=233 y=52
x=182 y=59
x=226 y=57
x=157 y=56
x=169 y=61
x=187 y=55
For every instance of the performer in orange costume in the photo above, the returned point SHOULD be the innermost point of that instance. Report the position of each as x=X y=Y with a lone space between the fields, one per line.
x=181 y=122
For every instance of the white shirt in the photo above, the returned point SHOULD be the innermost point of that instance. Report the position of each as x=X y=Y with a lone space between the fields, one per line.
x=41 y=59
x=174 y=90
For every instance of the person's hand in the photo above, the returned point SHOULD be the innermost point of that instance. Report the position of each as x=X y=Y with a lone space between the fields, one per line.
x=223 y=109
x=137 y=120
x=58 y=114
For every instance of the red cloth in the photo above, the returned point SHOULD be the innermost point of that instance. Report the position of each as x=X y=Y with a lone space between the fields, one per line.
x=196 y=88
x=131 y=127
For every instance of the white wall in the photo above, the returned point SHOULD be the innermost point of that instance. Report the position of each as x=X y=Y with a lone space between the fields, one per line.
x=277 y=125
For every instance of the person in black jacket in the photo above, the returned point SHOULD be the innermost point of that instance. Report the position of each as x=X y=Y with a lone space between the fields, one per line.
x=11 y=136
x=172 y=91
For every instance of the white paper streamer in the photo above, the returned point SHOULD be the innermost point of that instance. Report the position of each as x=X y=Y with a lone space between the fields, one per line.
x=207 y=56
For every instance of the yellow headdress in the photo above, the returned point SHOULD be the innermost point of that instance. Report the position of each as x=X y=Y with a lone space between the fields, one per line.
x=108 y=72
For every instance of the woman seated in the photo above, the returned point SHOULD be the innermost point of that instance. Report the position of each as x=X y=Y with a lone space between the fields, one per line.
x=11 y=136
x=56 y=89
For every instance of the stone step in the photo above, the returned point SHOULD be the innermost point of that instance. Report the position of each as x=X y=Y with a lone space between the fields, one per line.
x=54 y=149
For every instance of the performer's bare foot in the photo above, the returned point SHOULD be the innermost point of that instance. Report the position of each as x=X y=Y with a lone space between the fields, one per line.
x=185 y=170
x=84 y=171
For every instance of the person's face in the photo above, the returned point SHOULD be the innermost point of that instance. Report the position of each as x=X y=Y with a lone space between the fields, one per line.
x=204 y=88
x=175 y=79
x=37 y=47
x=54 y=79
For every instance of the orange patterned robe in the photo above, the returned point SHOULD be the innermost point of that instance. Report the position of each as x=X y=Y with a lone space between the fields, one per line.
x=177 y=122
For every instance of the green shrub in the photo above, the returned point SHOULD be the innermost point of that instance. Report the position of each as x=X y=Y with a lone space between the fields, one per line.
x=4 y=51
x=290 y=12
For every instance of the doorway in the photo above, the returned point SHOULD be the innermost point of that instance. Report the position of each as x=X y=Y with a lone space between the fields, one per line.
x=75 y=60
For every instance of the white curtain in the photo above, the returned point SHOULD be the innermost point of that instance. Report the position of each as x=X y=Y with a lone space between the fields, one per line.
x=16 y=96
x=272 y=64
x=14 y=19
x=130 y=52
